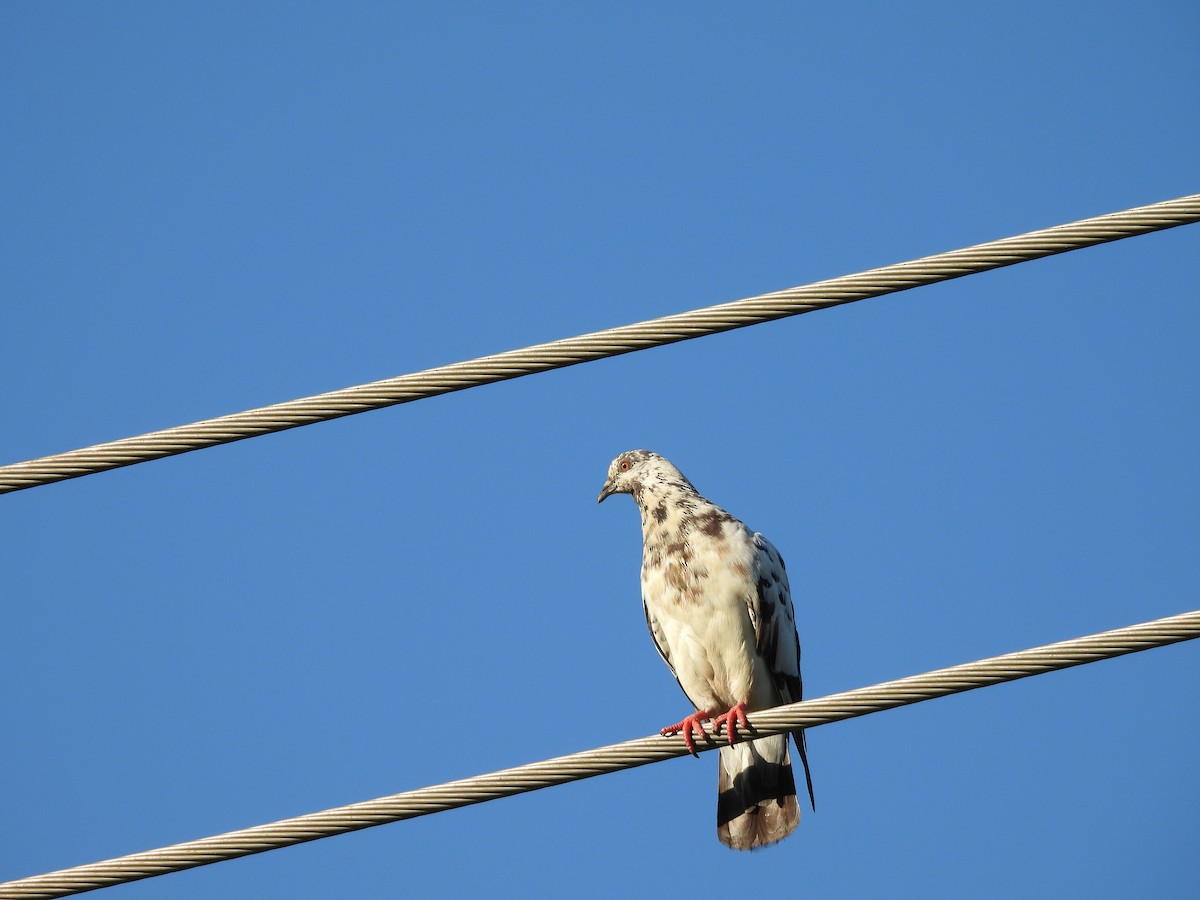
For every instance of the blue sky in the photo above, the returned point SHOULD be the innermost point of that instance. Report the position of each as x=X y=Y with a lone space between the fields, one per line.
x=210 y=207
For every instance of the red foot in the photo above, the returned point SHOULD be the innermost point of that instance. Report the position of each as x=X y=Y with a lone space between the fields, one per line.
x=687 y=726
x=731 y=720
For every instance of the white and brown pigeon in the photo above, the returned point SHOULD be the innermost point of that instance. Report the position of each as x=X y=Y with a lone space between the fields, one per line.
x=719 y=609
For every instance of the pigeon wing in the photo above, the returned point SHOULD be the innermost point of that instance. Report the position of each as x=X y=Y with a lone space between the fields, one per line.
x=775 y=635
x=660 y=643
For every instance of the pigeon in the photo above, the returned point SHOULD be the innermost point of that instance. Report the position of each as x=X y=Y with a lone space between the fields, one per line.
x=718 y=606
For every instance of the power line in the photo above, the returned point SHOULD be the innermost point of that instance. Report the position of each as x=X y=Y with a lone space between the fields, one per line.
x=600 y=344
x=601 y=761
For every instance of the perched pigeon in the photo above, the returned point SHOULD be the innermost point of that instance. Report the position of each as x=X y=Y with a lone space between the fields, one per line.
x=717 y=603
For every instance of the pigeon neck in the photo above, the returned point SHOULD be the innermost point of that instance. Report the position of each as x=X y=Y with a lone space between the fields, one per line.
x=664 y=506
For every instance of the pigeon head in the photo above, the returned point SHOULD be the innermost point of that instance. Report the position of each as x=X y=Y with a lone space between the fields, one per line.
x=635 y=470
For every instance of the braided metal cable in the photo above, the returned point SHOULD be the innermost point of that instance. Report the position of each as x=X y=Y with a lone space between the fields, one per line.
x=601 y=761
x=600 y=344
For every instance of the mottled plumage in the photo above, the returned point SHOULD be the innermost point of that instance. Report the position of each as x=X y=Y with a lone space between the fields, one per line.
x=718 y=606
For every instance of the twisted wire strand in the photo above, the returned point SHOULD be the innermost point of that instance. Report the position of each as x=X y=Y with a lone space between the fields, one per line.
x=600 y=344
x=601 y=761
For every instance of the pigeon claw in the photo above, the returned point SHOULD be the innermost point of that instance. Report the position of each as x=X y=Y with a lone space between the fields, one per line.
x=693 y=723
x=731 y=720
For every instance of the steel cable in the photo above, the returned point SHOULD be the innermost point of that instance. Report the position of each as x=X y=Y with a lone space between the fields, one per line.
x=604 y=760
x=600 y=344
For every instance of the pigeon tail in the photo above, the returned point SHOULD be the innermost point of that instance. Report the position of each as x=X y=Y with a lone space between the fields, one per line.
x=756 y=802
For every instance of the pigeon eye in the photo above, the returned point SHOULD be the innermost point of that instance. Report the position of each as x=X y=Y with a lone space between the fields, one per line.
x=624 y=466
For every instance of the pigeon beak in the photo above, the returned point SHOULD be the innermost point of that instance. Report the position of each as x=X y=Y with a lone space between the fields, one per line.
x=606 y=491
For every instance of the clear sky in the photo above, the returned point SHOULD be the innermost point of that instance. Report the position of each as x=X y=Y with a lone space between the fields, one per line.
x=209 y=207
